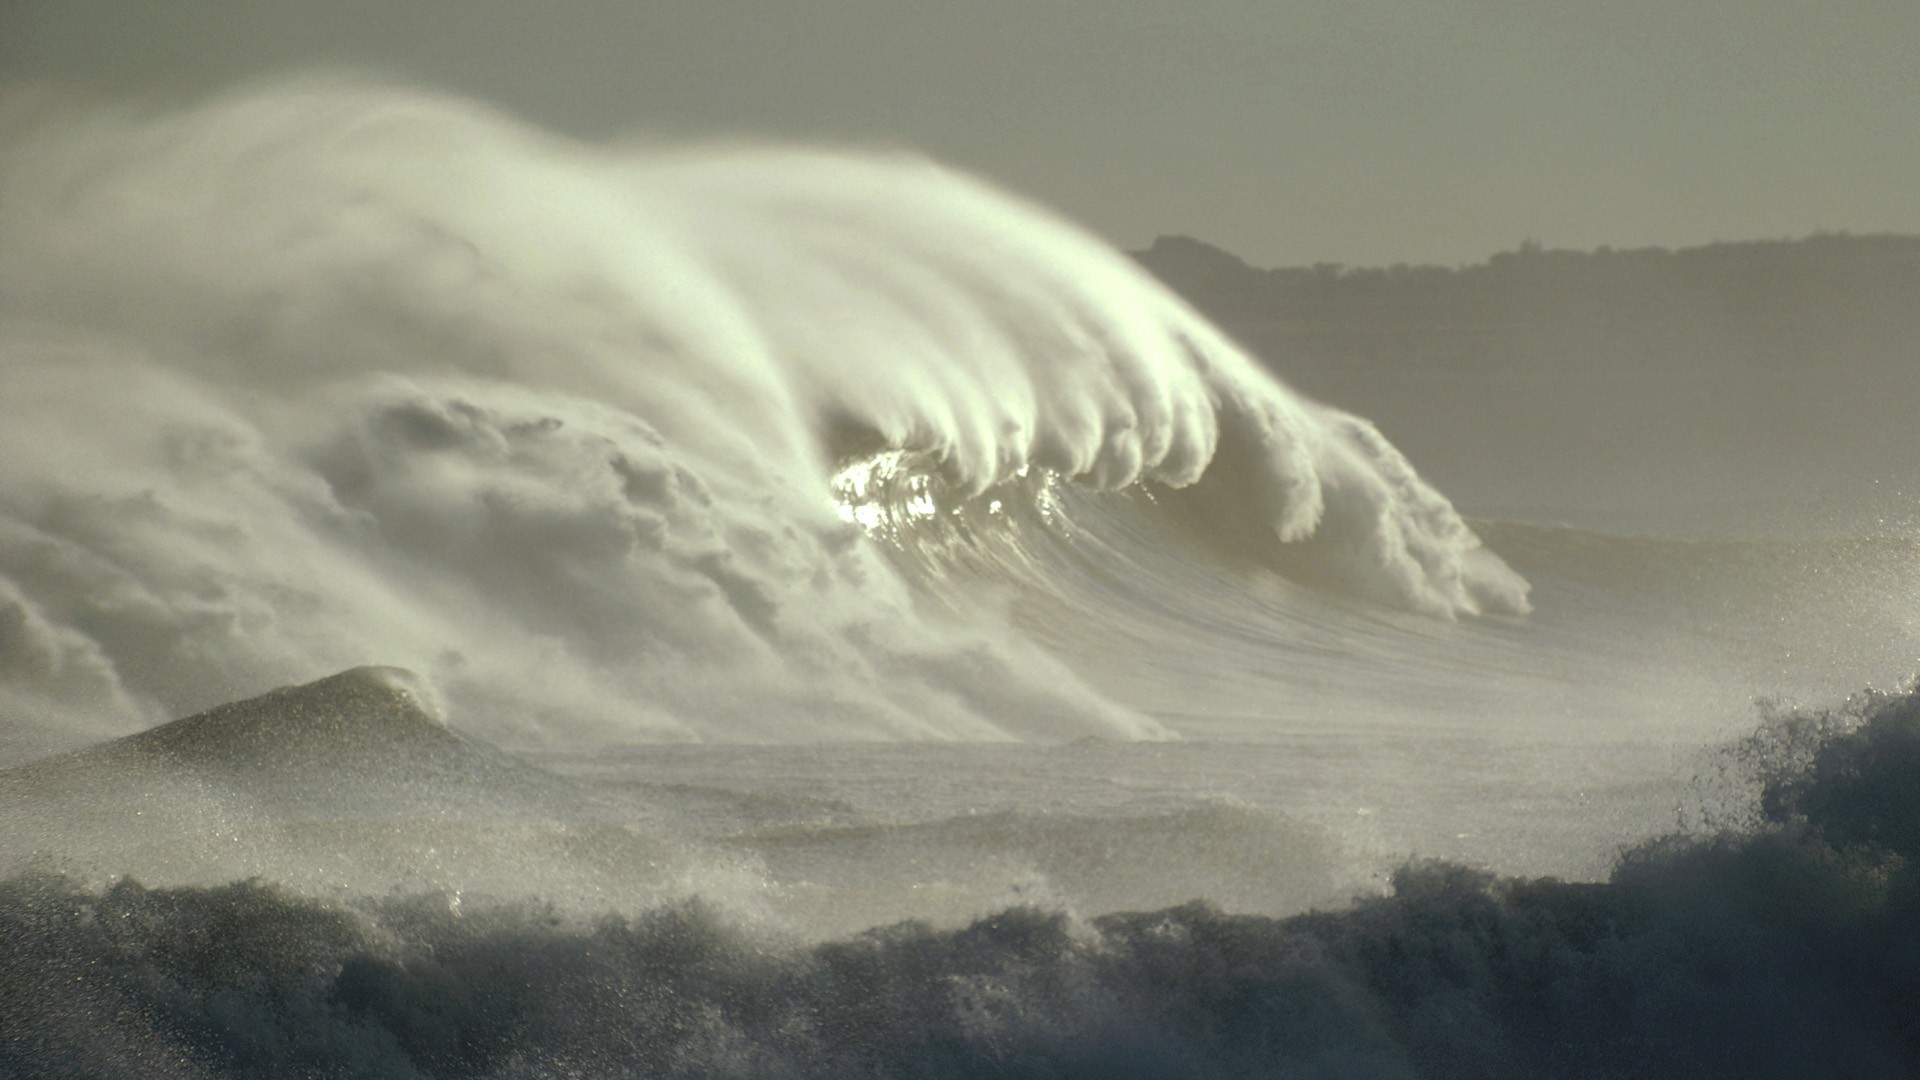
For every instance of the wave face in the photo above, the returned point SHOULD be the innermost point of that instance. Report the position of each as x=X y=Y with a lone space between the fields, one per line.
x=325 y=374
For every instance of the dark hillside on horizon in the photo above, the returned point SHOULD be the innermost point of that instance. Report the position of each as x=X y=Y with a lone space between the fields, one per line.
x=1835 y=299
x=1649 y=376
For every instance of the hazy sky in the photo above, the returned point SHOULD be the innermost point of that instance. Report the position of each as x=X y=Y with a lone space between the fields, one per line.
x=1365 y=131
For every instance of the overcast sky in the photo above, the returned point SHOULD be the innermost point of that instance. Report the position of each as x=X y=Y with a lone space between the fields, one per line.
x=1364 y=131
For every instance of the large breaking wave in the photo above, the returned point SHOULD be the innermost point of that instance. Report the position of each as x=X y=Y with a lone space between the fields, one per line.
x=325 y=374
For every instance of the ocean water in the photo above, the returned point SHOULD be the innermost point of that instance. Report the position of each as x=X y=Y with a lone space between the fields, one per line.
x=477 y=604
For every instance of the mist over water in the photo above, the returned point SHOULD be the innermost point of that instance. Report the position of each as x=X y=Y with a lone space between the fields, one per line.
x=617 y=609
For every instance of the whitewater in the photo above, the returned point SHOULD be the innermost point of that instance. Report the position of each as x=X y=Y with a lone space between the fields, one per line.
x=478 y=603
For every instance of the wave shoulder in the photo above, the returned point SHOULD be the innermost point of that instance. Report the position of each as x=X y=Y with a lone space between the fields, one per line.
x=378 y=724
x=361 y=711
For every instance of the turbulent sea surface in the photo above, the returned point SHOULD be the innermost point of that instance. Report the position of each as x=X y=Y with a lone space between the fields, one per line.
x=475 y=604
